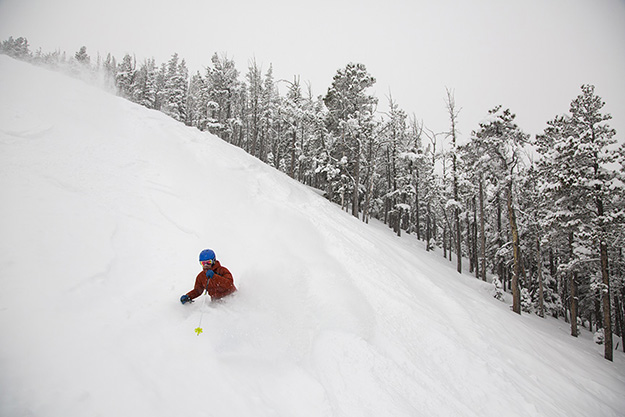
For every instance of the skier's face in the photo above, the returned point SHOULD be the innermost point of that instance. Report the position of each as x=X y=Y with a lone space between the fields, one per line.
x=206 y=265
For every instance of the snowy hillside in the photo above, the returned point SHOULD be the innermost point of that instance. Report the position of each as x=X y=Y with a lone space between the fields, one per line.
x=105 y=207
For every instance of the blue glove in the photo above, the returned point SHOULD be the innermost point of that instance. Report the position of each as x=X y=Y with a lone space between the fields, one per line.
x=185 y=299
x=209 y=273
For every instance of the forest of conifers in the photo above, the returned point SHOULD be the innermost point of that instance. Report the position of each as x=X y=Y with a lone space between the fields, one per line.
x=541 y=217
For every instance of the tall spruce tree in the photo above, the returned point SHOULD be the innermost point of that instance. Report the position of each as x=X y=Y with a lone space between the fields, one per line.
x=125 y=75
x=17 y=48
x=475 y=172
x=223 y=90
x=399 y=189
x=82 y=57
x=271 y=122
x=197 y=102
x=502 y=142
x=350 y=111
x=254 y=106
x=454 y=202
x=143 y=90
x=578 y=159
x=175 y=91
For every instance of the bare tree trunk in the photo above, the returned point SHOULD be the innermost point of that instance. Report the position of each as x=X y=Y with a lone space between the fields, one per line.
x=293 y=143
x=599 y=310
x=500 y=264
x=573 y=290
x=428 y=228
x=458 y=241
x=621 y=312
x=607 y=316
x=417 y=206
x=474 y=240
x=369 y=192
x=451 y=241
x=453 y=116
x=355 y=208
x=539 y=266
x=482 y=232
x=516 y=251
x=619 y=320
x=470 y=243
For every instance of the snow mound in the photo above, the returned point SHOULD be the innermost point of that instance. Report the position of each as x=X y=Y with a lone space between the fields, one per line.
x=107 y=204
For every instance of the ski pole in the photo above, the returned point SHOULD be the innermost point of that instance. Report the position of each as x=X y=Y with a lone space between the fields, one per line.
x=199 y=329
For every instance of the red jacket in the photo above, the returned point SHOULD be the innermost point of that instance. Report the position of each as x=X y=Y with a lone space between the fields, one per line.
x=220 y=285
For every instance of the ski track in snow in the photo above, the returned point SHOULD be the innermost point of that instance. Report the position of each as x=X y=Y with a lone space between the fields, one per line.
x=106 y=205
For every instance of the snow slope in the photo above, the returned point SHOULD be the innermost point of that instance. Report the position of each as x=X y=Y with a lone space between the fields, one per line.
x=105 y=207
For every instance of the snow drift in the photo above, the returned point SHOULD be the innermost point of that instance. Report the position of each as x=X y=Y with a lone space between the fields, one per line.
x=107 y=204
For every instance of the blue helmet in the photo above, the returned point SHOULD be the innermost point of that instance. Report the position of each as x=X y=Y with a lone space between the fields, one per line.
x=207 y=255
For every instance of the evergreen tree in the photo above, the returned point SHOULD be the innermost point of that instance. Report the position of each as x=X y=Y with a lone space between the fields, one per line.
x=399 y=187
x=320 y=161
x=475 y=173
x=197 y=100
x=125 y=76
x=223 y=90
x=255 y=108
x=502 y=142
x=82 y=57
x=577 y=161
x=16 y=48
x=294 y=113
x=433 y=191
x=110 y=71
x=160 y=84
x=307 y=137
x=143 y=89
x=414 y=170
x=175 y=91
x=454 y=202
x=349 y=118
x=271 y=123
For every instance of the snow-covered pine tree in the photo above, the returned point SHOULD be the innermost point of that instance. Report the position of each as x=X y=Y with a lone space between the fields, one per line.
x=534 y=206
x=109 y=67
x=319 y=145
x=578 y=158
x=254 y=108
x=454 y=202
x=433 y=193
x=292 y=115
x=415 y=160
x=161 y=78
x=398 y=191
x=306 y=160
x=502 y=142
x=350 y=112
x=16 y=48
x=271 y=122
x=125 y=76
x=223 y=91
x=82 y=57
x=197 y=99
x=143 y=90
x=175 y=91
x=473 y=175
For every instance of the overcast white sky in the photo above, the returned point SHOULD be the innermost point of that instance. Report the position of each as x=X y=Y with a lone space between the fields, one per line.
x=531 y=56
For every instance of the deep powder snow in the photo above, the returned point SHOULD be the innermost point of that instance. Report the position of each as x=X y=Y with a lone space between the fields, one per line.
x=105 y=207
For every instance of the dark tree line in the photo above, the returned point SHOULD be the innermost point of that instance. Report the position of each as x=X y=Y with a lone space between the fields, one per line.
x=542 y=217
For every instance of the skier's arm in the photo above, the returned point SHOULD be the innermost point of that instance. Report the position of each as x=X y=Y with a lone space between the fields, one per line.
x=200 y=285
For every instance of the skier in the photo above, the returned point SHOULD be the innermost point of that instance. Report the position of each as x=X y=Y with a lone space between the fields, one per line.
x=214 y=278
